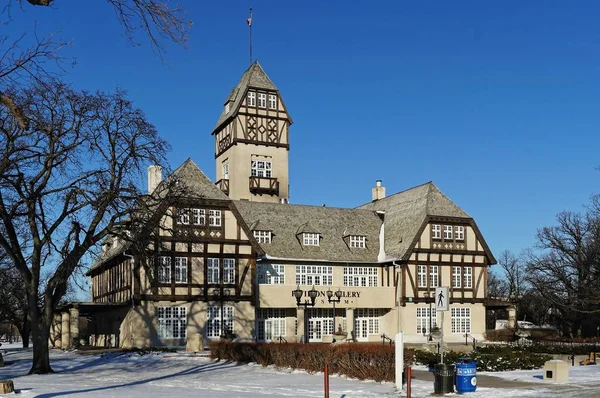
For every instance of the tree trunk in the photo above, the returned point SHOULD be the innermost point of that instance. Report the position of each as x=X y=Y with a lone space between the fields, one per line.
x=25 y=331
x=41 y=352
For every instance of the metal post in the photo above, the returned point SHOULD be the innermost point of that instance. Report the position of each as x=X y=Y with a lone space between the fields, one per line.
x=430 y=316
x=408 y=377
x=442 y=339
x=333 y=320
x=326 y=381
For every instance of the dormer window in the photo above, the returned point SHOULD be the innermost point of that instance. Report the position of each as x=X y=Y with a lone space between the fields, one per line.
x=357 y=241
x=272 y=101
x=262 y=100
x=251 y=101
x=310 y=239
x=183 y=216
x=262 y=236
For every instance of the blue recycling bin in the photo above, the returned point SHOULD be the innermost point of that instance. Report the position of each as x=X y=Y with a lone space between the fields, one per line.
x=466 y=375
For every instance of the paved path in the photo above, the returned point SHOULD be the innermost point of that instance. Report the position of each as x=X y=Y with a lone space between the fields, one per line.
x=486 y=381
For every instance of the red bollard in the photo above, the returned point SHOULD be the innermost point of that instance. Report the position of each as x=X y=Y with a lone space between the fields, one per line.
x=408 y=377
x=326 y=381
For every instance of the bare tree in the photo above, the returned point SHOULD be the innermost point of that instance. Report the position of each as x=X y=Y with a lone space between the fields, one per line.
x=514 y=274
x=66 y=182
x=13 y=301
x=496 y=286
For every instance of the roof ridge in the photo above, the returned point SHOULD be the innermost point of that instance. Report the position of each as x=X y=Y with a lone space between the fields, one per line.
x=301 y=205
x=398 y=193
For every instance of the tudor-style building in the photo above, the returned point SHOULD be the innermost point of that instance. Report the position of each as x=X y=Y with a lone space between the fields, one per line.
x=225 y=257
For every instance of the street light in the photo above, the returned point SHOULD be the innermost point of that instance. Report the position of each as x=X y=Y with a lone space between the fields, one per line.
x=312 y=294
x=426 y=295
x=330 y=298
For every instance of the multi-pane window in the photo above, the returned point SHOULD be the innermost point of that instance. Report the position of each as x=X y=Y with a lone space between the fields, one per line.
x=421 y=275
x=183 y=216
x=357 y=241
x=181 y=269
x=468 y=277
x=217 y=323
x=260 y=168
x=226 y=171
x=172 y=322
x=459 y=232
x=461 y=320
x=164 y=269
x=447 y=231
x=198 y=216
x=360 y=276
x=271 y=274
x=310 y=239
x=456 y=277
x=214 y=218
x=314 y=275
x=262 y=100
x=270 y=323
x=272 y=101
x=368 y=317
x=213 y=270
x=425 y=317
x=251 y=98
x=262 y=236
x=228 y=270
x=434 y=280
x=436 y=231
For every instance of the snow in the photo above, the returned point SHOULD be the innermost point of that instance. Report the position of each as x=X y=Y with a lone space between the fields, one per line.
x=182 y=375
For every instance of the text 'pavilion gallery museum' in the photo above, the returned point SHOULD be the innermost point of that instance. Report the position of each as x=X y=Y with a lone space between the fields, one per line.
x=234 y=258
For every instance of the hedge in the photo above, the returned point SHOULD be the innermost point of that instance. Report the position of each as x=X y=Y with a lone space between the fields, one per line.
x=359 y=361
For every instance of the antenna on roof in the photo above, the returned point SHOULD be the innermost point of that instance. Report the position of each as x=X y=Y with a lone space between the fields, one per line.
x=249 y=22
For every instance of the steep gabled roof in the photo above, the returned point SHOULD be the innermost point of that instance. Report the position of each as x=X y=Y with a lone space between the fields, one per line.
x=197 y=184
x=253 y=77
x=406 y=211
x=287 y=221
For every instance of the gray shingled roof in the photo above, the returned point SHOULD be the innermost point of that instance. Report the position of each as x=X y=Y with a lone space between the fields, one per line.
x=197 y=184
x=406 y=211
x=286 y=220
x=254 y=77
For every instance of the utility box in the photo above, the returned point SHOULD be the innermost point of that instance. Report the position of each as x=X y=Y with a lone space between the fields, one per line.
x=556 y=371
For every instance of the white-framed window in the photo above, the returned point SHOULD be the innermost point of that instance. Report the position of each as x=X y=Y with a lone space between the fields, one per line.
x=434 y=278
x=360 y=276
x=423 y=319
x=217 y=323
x=227 y=107
x=198 y=216
x=164 y=269
x=251 y=98
x=271 y=274
x=272 y=101
x=260 y=168
x=172 y=322
x=262 y=236
x=226 y=171
x=270 y=324
x=314 y=275
x=459 y=232
x=310 y=239
x=183 y=216
x=358 y=241
x=421 y=275
x=262 y=100
x=456 y=277
x=214 y=218
x=461 y=320
x=181 y=269
x=213 y=270
x=228 y=270
x=468 y=277
x=366 y=321
x=447 y=231
x=436 y=231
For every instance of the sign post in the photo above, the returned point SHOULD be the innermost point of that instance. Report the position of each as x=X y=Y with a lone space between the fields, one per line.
x=442 y=303
x=399 y=359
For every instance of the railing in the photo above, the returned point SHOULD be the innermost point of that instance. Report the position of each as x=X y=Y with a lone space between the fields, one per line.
x=385 y=338
x=223 y=185
x=467 y=335
x=266 y=185
x=281 y=339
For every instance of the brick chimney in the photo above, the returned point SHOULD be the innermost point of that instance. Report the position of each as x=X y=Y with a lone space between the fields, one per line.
x=154 y=177
x=378 y=192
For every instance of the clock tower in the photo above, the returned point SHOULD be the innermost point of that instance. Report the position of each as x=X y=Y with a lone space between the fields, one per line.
x=252 y=141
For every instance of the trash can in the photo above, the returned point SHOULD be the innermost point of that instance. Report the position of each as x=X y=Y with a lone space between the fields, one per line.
x=443 y=378
x=466 y=375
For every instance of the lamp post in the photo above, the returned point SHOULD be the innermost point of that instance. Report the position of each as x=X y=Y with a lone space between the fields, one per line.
x=426 y=295
x=337 y=299
x=312 y=294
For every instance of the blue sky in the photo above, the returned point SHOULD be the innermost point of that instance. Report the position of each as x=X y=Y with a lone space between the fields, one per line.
x=495 y=103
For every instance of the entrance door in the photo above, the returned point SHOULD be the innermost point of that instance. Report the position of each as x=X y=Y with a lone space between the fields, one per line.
x=361 y=328
x=315 y=330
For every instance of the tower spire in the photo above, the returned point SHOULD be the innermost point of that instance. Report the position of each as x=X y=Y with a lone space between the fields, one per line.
x=249 y=22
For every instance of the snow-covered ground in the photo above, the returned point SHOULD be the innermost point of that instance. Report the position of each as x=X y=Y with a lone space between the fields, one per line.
x=182 y=375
